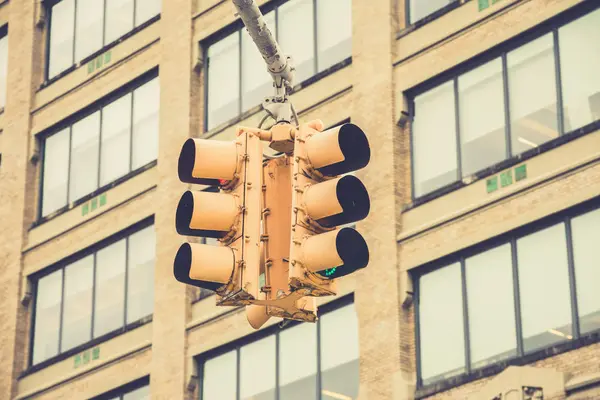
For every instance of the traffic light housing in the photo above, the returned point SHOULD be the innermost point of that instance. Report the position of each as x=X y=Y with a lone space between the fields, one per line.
x=232 y=216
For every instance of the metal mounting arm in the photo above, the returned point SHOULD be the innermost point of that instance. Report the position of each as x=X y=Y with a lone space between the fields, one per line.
x=279 y=66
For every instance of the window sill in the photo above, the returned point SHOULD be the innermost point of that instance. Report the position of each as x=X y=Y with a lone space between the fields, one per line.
x=94 y=342
x=491 y=370
x=430 y=18
x=494 y=169
x=93 y=194
x=244 y=115
x=84 y=61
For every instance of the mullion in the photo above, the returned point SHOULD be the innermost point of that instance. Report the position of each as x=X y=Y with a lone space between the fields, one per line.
x=73 y=62
x=237 y=373
x=69 y=164
x=104 y=23
x=507 y=121
x=132 y=119
x=559 y=97
x=62 y=310
x=319 y=377
x=467 y=336
x=126 y=277
x=315 y=29
x=573 y=284
x=240 y=66
x=100 y=128
x=277 y=396
x=517 y=297
x=457 y=127
x=94 y=271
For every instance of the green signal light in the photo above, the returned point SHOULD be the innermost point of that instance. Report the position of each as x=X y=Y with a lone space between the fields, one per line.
x=330 y=271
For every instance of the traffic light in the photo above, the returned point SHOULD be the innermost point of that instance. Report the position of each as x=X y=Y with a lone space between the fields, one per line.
x=322 y=200
x=232 y=216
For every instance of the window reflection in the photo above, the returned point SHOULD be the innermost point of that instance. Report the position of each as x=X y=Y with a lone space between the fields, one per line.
x=220 y=377
x=47 y=316
x=61 y=37
x=119 y=19
x=420 y=9
x=140 y=279
x=116 y=131
x=89 y=25
x=77 y=318
x=109 y=300
x=291 y=15
x=532 y=94
x=542 y=262
x=146 y=109
x=85 y=137
x=56 y=171
x=334 y=39
x=257 y=370
x=298 y=369
x=223 y=84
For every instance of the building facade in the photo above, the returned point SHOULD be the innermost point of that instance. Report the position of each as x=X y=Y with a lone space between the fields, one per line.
x=483 y=281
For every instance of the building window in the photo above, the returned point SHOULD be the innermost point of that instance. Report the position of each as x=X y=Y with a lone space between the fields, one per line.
x=138 y=390
x=91 y=152
x=237 y=77
x=524 y=292
x=94 y=295
x=507 y=106
x=80 y=28
x=3 y=65
x=419 y=9
x=271 y=367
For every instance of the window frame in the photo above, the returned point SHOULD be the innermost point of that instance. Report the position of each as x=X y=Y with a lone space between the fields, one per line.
x=273 y=330
x=125 y=389
x=60 y=266
x=48 y=5
x=68 y=122
x=550 y=26
x=521 y=358
x=237 y=28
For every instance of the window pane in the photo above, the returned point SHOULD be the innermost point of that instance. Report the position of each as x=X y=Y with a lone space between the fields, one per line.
x=223 y=80
x=257 y=370
x=532 y=92
x=77 y=313
x=140 y=282
x=419 y=9
x=84 y=156
x=339 y=354
x=492 y=330
x=334 y=32
x=62 y=28
x=586 y=234
x=119 y=19
x=482 y=135
x=116 y=127
x=298 y=369
x=110 y=288
x=579 y=65
x=3 y=69
x=88 y=27
x=56 y=172
x=300 y=41
x=220 y=377
x=142 y=393
x=434 y=136
x=146 y=104
x=442 y=342
x=146 y=10
x=47 y=317
x=544 y=286
x=256 y=81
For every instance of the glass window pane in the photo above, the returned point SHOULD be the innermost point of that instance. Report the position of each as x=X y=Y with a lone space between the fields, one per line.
x=579 y=66
x=586 y=238
x=339 y=354
x=544 y=286
x=482 y=134
x=532 y=94
x=140 y=281
x=119 y=19
x=85 y=135
x=62 y=28
x=220 y=377
x=441 y=326
x=334 y=32
x=223 y=80
x=300 y=41
x=146 y=10
x=56 y=172
x=492 y=329
x=110 y=288
x=116 y=128
x=47 y=317
x=88 y=27
x=298 y=369
x=434 y=137
x=77 y=313
x=142 y=393
x=419 y=9
x=3 y=69
x=256 y=81
x=257 y=370
x=146 y=105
